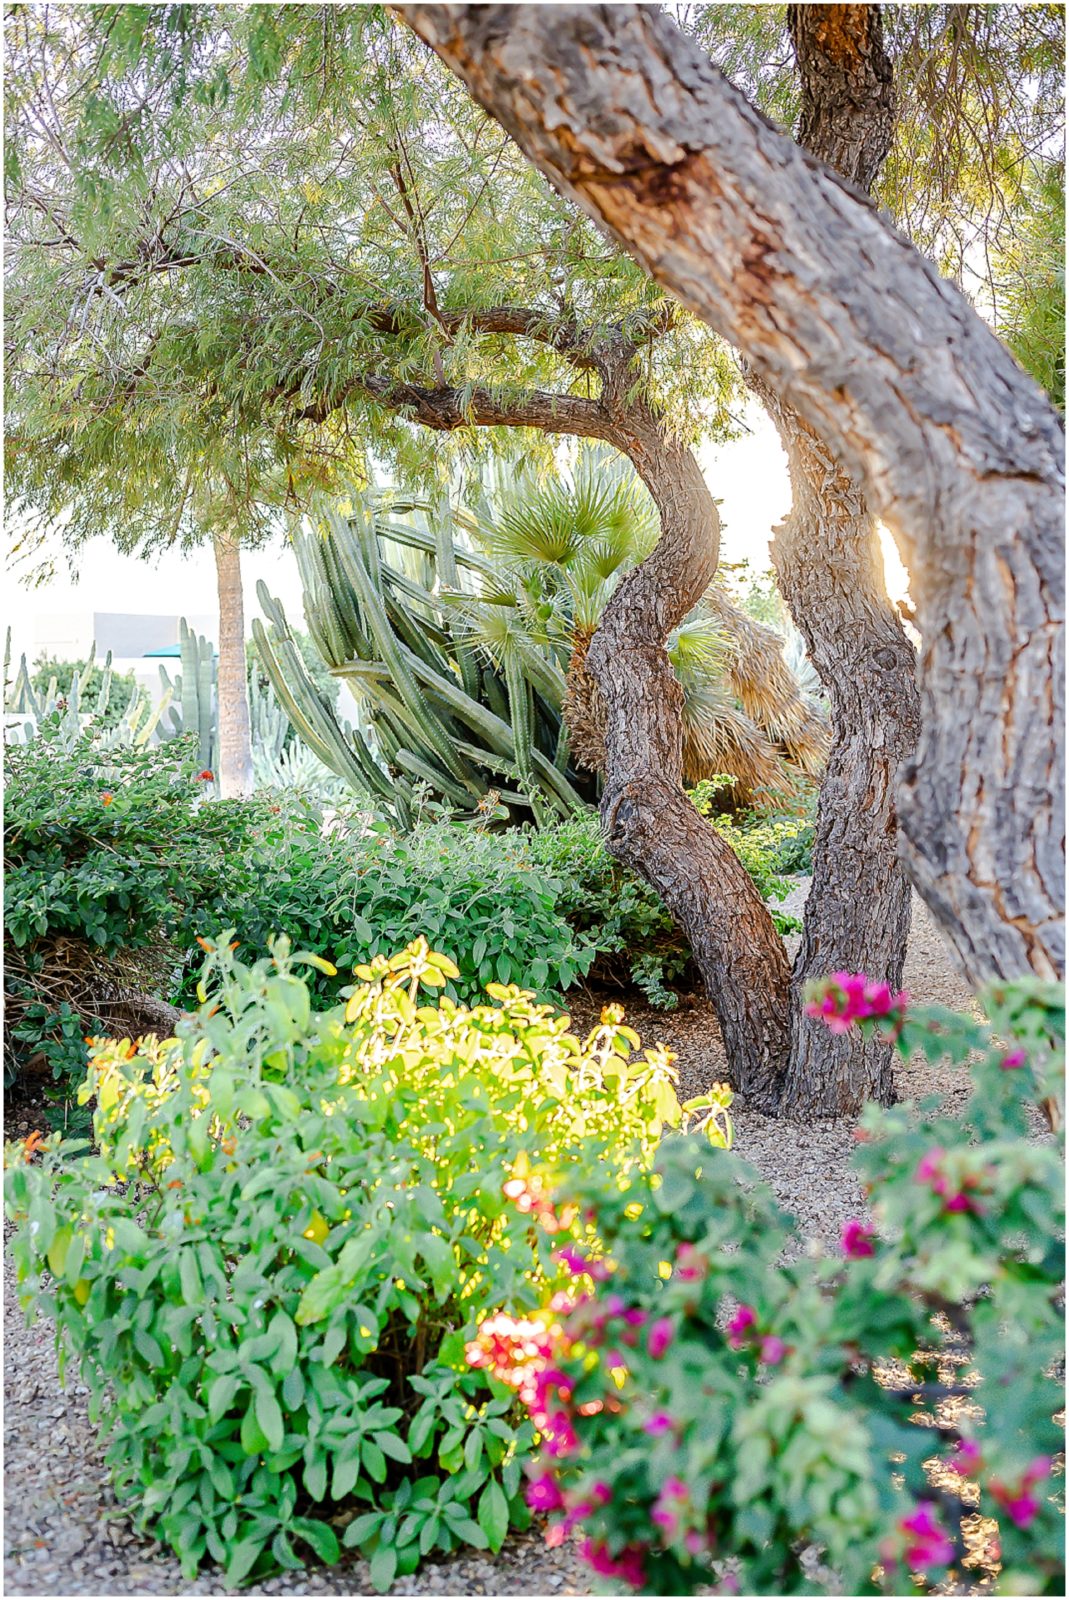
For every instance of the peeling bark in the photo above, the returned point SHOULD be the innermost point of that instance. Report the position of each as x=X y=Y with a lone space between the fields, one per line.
x=958 y=449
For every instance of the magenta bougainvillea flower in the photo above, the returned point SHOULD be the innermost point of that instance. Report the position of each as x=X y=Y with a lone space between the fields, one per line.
x=927 y=1543
x=629 y=1565
x=849 y=997
x=956 y=1197
x=772 y=1349
x=739 y=1328
x=1017 y=1500
x=966 y=1460
x=858 y=1240
x=662 y=1332
x=691 y=1266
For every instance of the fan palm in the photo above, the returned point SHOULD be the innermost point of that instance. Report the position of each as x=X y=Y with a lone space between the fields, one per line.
x=558 y=550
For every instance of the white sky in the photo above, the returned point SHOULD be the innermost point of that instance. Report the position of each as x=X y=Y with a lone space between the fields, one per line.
x=749 y=476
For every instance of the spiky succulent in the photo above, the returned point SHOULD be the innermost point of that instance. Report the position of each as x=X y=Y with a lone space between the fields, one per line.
x=462 y=629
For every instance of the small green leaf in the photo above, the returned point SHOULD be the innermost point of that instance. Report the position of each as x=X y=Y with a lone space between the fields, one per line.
x=383 y=1567
x=494 y=1515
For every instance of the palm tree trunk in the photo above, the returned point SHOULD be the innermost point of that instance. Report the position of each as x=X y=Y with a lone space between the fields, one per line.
x=235 y=744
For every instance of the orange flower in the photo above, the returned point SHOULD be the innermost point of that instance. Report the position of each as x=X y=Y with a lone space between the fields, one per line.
x=205 y=944
x=207 y=776
x=34 y=1142
x=229 y=1146
x=107 y=797
x=175 y=1183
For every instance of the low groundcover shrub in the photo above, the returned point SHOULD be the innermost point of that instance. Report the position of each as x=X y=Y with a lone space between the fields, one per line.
x=268 y=1270
x=710 y=1414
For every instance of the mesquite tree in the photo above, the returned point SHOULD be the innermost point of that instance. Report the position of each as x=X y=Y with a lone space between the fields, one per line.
x=957 y=448
x=827 y=560
x=328 y=256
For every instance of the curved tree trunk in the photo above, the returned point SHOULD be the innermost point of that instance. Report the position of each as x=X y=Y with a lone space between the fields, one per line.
x=235 y=746
x=648 y=821
x=958 y=450
x=827 y=561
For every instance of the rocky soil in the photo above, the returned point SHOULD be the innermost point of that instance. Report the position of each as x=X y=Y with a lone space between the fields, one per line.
x=64 y=1534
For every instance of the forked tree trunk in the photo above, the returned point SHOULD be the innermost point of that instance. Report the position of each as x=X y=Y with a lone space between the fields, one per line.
x=827 y=560
x=648 y=821
x=958 y=450
x=235 y=746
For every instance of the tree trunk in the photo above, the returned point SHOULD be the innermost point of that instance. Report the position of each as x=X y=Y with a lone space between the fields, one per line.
x=827 y=561
x=958 y=449
x=649 y=822
x=857 y=916
x=235 y=747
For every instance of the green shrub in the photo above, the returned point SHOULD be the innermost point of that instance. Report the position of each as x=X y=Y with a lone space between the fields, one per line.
x=712 y=1402
x=268 y=1273
x=110 y=862
x=474 y=895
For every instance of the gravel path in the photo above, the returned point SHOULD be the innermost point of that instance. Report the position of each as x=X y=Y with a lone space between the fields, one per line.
x=64 y=1534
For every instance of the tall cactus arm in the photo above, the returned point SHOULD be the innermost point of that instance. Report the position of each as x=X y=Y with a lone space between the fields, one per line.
x=521 y=716
x=316 y=725
x=398 y=657
x=499 y=734
x=409 y=762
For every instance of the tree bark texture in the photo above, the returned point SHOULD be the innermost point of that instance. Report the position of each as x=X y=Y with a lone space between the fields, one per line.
x=827 y=560
x=857 y=916
x=648 y=821
x=235 y=744
x=958 y=449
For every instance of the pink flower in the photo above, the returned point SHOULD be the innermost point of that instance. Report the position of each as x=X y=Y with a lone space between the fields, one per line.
x=542 y=1493
x=739 y=1327
x=660 y=1422
x=930 y=1171
x=662 y=1332
x=929 y=1545
x=1016 y=1058
x=849 y=997
x=773 y=1350
x=628 y=1565
x=857 y=1240
x=1018 y=1502
x=691 y=1265
x=966 y=1460
x=666 y=1513
x=572 y=1259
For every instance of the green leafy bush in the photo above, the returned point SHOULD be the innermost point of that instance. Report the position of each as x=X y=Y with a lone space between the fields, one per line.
x=268 y=1272
x=703 y=1402
x=350 y=896
x=109 y=861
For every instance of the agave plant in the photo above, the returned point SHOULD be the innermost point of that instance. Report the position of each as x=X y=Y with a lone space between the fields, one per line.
x=462 y=631
x=441 y=712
